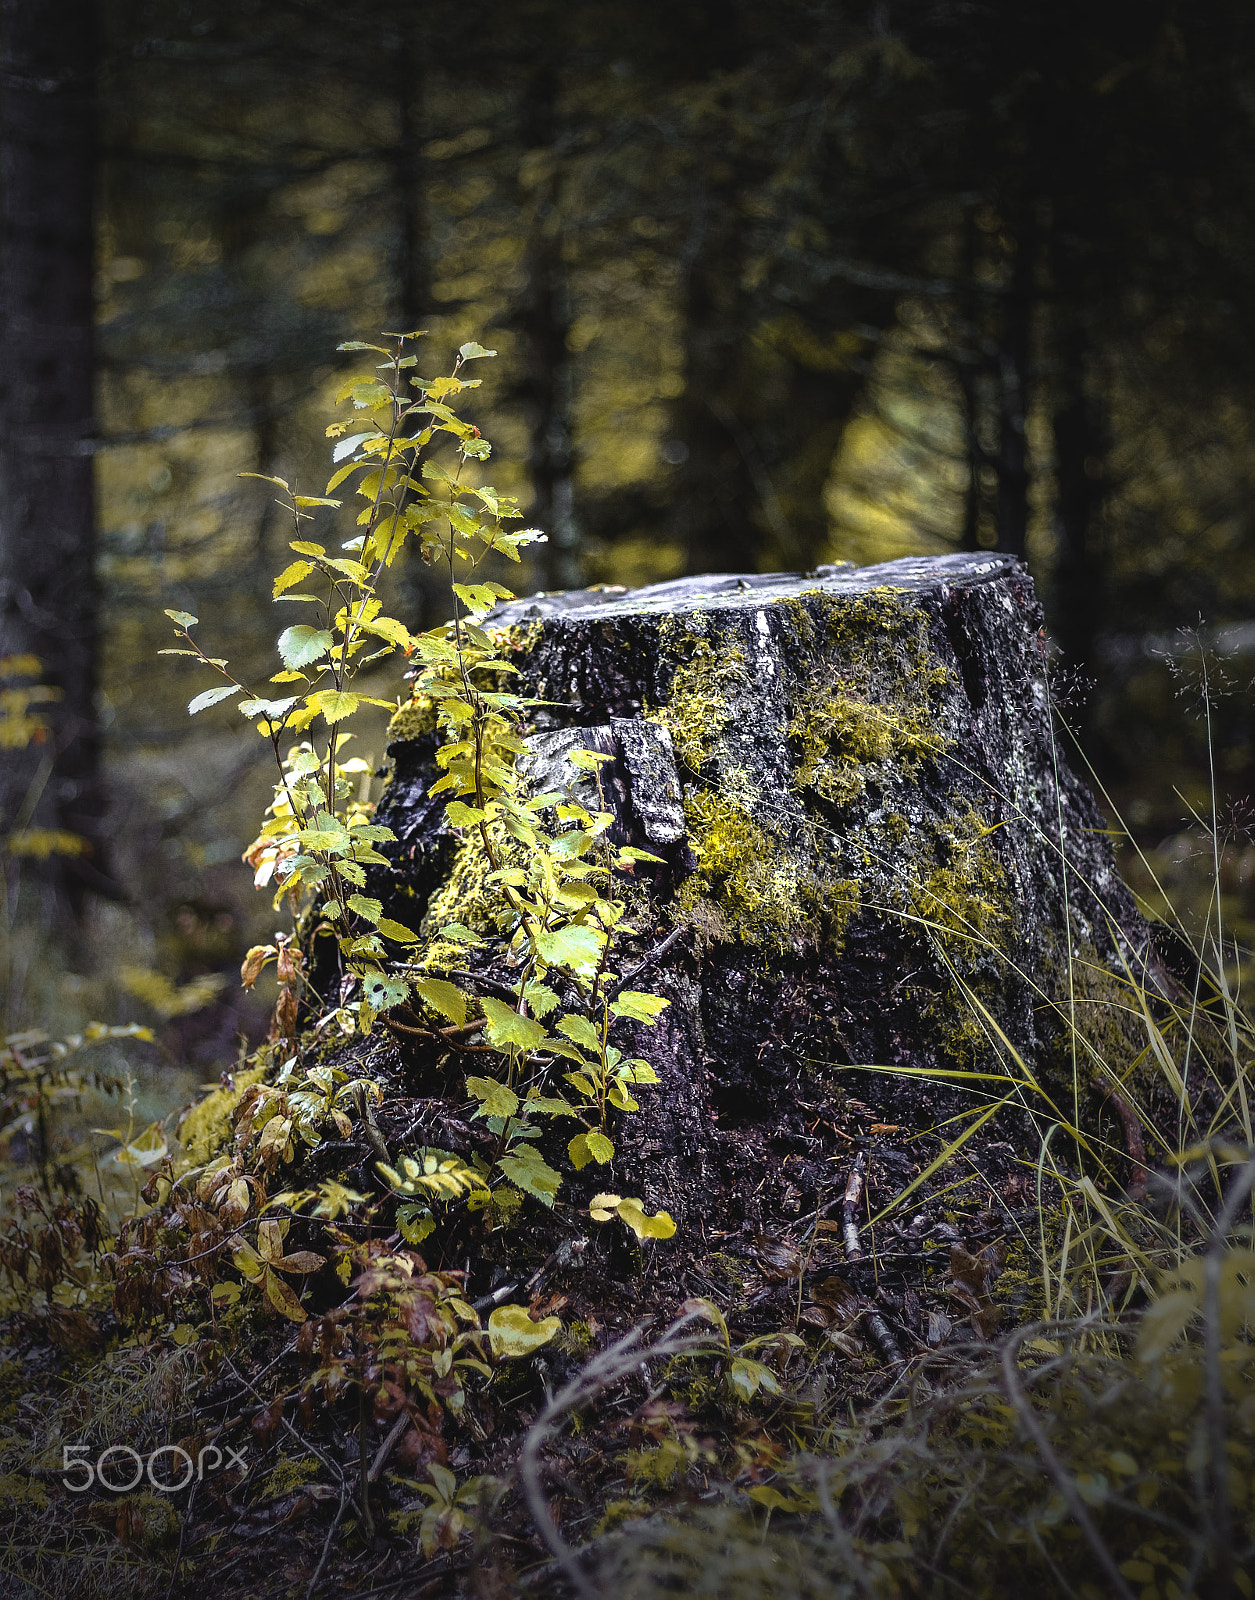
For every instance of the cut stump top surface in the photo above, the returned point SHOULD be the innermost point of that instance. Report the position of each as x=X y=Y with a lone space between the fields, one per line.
x=727 y=591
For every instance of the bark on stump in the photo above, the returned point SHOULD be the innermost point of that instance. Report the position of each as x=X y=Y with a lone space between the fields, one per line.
x=873 y=844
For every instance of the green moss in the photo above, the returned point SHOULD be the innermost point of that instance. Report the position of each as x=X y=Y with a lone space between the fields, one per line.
x=655 y=1468
x=965 y=899
x=705 y=682
x=207 y=1126
x=576 y=1339
x=1106 y=1013
x=764 y=890
x=465 y=896
x=19 y=1489
x=413 y=721
x=12 y=1388
x=837 y=736
x=153 y=1521
x=878 y=707
x=618 y=1512
x=290 y=1473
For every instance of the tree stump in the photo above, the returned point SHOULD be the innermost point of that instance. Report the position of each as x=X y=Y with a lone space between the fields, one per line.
x=874 y=856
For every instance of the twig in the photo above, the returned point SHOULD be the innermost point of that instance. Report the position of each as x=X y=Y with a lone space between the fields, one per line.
x=1063 y=1480
x=1134 y=1141
x=849 y=1206
x=326 y=1544
x=880 y=1329
x=1213 y=1383
x=560 y=1258
x=370 y=1127
x=363 y=1416
x=178 y=1554
x=387 y=1447
x=304 y=1443
x=490 y=985
x=447 y=1036
x=653 y=956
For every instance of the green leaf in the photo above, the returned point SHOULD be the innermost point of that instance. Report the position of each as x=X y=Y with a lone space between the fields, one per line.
x=446 y=998
x=397 y=931
x=471 y=351
x=334 y=704
x=546 y=1106
x=578 y=1152
x=463 y=816
x=210 y=697
x=415 y=1221
x=382 y=992
x=599 y=1147
x=640 y=1007
x=660 y=1226
x=528 y=1170
x=541 y=999
x=302 y=645
x=185 y=619
x=347 y=446
x=747 y=1377
x=582 y=1031
x=575 y=946
x=365 y=393
x=495 y=1099
x=630 y=1211
x=460 y=932
x=506 y=1030
x=365 y=907
x=512 y=1333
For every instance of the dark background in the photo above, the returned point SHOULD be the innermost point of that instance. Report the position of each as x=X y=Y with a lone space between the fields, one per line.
x=772 y=285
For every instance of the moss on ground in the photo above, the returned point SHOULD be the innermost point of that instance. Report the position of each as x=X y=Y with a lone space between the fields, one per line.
x=207 y=1126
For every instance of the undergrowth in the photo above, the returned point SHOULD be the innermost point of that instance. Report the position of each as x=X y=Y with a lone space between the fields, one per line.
x=1068 y=1407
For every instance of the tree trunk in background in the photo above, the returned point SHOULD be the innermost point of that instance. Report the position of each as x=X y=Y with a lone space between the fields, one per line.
x=423 y=590
x=967 y=368
x=1013 y=357
x=714 y=496
x=543 y=318
x=48 y=598
x=1078 y=497
x=409 y=166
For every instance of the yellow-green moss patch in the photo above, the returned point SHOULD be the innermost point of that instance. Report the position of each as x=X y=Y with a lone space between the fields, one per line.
x=207 y=1126
x=764 y=889
x=413 y=721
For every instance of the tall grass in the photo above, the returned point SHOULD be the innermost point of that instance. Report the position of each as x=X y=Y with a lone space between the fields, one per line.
x=1108 y=1447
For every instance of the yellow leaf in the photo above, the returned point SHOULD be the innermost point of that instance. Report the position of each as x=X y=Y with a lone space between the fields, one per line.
x=279 y=1297
x=511 y=1332
x=446 y=998
x=334 y=704
x=291 y=575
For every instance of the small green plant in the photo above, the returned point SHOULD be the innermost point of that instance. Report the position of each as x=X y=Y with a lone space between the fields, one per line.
x=547 y=859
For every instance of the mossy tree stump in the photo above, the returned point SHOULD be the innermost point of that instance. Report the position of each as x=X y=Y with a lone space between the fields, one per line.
x=871 y=841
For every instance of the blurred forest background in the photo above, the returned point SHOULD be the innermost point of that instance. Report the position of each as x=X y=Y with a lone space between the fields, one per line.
x=772 y=285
